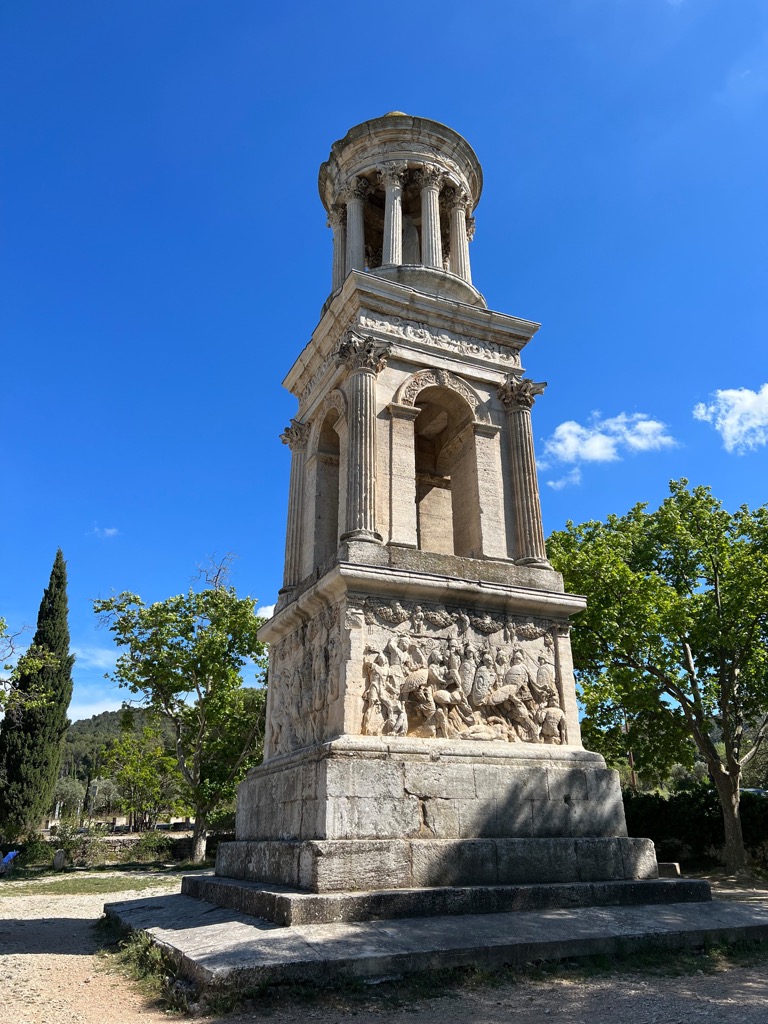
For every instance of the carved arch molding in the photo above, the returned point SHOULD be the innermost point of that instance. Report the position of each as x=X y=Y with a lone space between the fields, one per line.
x=333 y=400
x=411 y=388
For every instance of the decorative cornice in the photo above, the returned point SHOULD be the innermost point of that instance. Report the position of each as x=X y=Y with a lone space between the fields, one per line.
x=520 y=392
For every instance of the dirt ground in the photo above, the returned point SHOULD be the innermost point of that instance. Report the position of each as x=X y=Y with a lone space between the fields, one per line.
x=50 y=974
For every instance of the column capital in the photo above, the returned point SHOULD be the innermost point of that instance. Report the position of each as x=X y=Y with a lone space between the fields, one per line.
x=520 y=392
x=337 y=215
x=357 y=188
x=431 y=176
x=362 y=353
x=296 y=435
x=456 y=198
x=470 y=228
x=392 y=174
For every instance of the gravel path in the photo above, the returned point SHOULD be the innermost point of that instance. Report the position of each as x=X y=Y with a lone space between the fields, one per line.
x=49 y=974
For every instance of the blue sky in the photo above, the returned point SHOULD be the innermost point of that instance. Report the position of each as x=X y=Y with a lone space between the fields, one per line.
x=165 y=258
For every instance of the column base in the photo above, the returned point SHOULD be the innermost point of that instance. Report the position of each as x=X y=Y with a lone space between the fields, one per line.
x=534 y=562
x=369 y=535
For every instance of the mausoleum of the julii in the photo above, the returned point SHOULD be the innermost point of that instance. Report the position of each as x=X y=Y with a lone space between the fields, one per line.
x=422 y=726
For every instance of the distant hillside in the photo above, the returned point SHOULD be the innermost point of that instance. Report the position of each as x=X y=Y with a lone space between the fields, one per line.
x=86 y=738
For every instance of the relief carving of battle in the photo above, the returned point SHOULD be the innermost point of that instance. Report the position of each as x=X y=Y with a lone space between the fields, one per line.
x=433 y=672
x=305 y=671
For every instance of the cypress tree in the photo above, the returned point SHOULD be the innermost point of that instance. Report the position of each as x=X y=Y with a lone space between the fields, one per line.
x=31 y=738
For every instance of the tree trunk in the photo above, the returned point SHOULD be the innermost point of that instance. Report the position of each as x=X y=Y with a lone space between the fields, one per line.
x=735 y=852
x=199 y=837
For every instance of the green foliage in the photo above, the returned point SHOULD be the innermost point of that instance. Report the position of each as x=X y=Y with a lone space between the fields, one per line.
x=146 y=776
x=674 y=641
x=69 y=794
x=35 y=852
x=30 y=738
x=183 y=659
x=688 y=826
x=151 y=846
x=84 y=847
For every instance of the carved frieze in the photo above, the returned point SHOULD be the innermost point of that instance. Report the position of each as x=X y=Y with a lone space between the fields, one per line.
x=445 y=341
x=457 y=673
x=304 y=680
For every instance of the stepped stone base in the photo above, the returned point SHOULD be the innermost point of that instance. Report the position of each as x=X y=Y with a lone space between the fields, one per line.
x=220 y=948
x=355 y=865
x=286 y=907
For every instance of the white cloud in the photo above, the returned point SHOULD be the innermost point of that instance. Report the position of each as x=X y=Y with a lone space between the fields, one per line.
x=739 y=415
x=95 y=657
x=570 y=479
x=266 y=611
x=605 y=440
x=104 y=532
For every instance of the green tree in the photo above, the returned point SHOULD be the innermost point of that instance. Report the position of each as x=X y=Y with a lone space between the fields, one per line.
x=183 y=658
x=146 y=775
x=68 y=797
x=30 y=736
x=675 y=635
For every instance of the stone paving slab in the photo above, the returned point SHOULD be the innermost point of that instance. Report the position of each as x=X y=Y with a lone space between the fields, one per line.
x=220 y=947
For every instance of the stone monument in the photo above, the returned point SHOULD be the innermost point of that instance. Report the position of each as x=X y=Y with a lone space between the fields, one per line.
x=422 y=727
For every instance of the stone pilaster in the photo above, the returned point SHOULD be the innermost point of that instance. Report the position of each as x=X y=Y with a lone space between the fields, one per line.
x=518 y=395
x=458 y=202
x=337 y=221
x=392 y=176
x=431 y=180
x=364 y=359
x=296 y=437
x=355 y=197
x=402 y=512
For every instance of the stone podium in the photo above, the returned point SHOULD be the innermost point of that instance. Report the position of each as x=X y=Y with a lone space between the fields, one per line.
x=422 y=728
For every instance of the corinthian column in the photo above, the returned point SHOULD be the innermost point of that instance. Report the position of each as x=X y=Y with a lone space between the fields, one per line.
x=337 y=220
x=355 y=197
x=458 y=204
x=431 y=242
x=392 y=176
x=364 y=359
x=518 y=395
x=296 y=437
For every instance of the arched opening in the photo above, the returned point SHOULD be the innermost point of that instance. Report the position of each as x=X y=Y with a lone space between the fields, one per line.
x=327 y=490
x=447 y=498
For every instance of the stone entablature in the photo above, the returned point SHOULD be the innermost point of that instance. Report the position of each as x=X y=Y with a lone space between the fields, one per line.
x=431 y=330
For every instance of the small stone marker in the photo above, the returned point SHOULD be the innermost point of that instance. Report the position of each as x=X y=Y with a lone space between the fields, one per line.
x=59 y=860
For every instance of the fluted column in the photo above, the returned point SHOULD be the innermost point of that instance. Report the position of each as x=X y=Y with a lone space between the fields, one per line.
x=337 y=221
x=296 y=437
x=518 y=395
x=355 y=196
x=458 y=204
x=364 y=359
x=431 y=243
x=392 y=176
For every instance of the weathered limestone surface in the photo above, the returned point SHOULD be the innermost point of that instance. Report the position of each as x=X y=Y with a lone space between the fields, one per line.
x=294 y=907
x=422 y=726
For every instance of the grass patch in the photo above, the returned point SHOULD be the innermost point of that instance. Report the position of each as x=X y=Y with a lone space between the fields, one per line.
x=74 y=883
